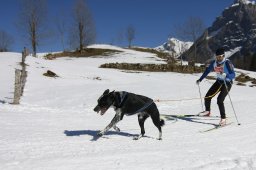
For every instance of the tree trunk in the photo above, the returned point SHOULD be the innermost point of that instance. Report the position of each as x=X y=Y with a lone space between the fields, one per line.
x=81 y=36
x=33 y=31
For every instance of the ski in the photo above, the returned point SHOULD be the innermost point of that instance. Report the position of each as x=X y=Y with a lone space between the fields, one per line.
x=190 y=115
x=215 y=127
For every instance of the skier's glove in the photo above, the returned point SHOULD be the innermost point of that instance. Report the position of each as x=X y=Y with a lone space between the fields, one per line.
x=223 y=75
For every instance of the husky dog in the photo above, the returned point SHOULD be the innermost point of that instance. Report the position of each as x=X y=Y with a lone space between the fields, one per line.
x=125 y=103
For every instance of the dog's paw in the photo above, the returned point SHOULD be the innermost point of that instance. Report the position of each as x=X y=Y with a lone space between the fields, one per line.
x=99 y=134
x=135 y=137
x=116 y=129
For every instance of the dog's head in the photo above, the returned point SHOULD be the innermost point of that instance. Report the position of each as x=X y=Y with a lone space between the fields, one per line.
x=104 y=102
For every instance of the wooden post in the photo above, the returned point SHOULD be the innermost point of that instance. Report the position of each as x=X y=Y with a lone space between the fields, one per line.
x=17 y=88
x=23 y=72
x=25 y=53
x=23 y=58
x=23 y=78
x=20 y=78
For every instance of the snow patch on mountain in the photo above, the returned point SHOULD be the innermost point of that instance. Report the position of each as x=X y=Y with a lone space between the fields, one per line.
x=174 y=46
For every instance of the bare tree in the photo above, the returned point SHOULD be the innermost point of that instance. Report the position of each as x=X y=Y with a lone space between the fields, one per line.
x=119 y=38
x=182 y=49
x=6 y=41
x=83 y=33
x=130 y=35
x=191 y=30
x=61 y=25
x=32 y=21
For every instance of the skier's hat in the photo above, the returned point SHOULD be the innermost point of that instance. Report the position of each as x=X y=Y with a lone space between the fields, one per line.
x=220 y=51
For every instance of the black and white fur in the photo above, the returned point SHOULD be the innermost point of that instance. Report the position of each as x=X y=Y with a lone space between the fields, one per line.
x=125 y=103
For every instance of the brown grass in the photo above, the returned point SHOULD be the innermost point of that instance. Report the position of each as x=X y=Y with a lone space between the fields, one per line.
x=87 y=52
x=153 y=67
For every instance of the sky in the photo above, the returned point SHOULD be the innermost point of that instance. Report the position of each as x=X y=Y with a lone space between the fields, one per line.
x=153 y=20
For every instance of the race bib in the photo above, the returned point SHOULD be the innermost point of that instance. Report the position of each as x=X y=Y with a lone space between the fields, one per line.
x=218 y=69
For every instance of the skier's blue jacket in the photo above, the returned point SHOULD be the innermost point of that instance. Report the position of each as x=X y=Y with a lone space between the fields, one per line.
x=219 y=68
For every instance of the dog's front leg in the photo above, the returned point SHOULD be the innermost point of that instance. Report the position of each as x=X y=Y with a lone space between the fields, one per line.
x=113 y=122
x=116 y=128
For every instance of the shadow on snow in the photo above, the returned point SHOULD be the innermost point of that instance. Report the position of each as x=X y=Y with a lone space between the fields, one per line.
x=189 y=118
x=94 y=135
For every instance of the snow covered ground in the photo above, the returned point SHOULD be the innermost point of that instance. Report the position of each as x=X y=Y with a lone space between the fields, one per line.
x=54 y=127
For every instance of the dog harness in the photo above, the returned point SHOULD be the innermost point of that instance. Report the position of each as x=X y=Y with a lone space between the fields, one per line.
x=123 y=97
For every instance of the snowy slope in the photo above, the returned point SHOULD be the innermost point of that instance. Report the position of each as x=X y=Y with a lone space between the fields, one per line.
x=54 y=126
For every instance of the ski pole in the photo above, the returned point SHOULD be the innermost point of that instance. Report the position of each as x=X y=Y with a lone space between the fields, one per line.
x=231 y=102
x=200 y=97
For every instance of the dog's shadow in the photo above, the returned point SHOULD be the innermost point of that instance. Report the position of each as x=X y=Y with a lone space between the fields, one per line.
x=94 y=133
x=2 y=101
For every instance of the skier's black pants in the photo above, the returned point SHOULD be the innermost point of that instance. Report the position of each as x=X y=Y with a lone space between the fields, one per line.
x=218 y=86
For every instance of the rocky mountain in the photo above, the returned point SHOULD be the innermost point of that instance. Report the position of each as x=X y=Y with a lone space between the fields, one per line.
x=235 y=30
x=174 y=46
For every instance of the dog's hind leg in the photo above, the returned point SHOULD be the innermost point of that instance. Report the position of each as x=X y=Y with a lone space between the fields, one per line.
x=141 y=118
x=158 y=123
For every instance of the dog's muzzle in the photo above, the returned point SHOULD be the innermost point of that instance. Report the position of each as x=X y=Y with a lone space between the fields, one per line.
x=102 y=110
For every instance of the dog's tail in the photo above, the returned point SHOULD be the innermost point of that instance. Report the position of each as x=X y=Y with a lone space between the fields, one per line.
x=162 y=122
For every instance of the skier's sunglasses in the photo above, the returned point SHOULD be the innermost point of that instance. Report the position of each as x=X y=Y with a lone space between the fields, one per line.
x=219 y=56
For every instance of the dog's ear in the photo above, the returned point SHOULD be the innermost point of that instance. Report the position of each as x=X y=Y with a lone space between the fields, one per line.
x=112 y=94
x=106 y=92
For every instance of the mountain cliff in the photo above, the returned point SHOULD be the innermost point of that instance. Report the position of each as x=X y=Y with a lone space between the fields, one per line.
x=235 y=30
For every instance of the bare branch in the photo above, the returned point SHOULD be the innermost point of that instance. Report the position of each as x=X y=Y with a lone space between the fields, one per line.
x=61 y=26
x=191 y=30
x=83 y=32
x=32 y=19
x=6 y=41
x=130 y=34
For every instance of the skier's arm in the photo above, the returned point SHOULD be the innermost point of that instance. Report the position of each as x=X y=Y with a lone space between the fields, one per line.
x=230 y=75
x=207 y=71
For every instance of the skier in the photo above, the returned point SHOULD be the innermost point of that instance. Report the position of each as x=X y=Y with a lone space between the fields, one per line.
x=225 y=75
